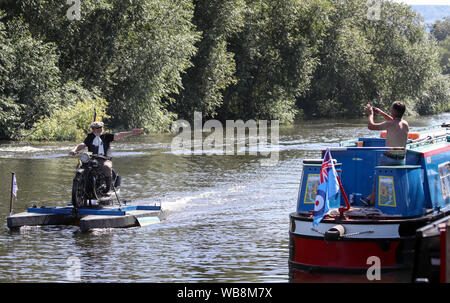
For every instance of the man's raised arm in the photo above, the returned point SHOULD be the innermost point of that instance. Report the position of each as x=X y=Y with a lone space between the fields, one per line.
x=379 y=111
x=371 y=124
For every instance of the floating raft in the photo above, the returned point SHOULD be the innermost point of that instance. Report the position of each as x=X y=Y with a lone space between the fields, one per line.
x=88 y=218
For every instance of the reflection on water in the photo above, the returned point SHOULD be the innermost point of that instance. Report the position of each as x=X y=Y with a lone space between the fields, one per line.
x=226 y=220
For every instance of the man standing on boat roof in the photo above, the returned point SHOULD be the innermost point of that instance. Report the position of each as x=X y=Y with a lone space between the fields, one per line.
x=397 y=136
x=98 y=143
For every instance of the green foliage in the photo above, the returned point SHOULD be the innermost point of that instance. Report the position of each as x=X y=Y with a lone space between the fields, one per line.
x=152 y=51
x=338 y=85
x=213 y=66
x=133 y=51
x=441 y=29
x=274 y=56
x=436 y=97
x=159 y=60
x=444 y=50
x=29 y=78
x=371 y=61
x=70 y=123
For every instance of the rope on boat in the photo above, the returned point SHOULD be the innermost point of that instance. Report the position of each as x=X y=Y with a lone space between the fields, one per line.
x=346 y=235
x=360 y=232
x=317 y=231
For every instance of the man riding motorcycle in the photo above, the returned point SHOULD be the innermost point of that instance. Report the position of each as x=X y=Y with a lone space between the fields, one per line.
x=98 y=143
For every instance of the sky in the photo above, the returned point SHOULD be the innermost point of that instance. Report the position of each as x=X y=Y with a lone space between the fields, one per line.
x=424 y=2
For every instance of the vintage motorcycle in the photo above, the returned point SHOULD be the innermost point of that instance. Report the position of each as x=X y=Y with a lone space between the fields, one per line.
x=91 y=185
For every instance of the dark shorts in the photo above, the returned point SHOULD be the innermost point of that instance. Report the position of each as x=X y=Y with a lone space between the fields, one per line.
x=386 y=160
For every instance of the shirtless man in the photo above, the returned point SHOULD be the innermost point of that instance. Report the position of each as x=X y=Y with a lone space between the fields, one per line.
x=397 y=136
x=397 y=132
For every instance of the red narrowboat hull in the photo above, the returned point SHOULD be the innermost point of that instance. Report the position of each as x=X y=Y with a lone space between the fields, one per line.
x=344 y=254
x=315 y=258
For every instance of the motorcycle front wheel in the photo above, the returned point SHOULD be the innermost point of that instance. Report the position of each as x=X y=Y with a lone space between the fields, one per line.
x=78 y=191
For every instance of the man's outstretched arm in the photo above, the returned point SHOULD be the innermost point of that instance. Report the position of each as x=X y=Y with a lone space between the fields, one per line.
x=136 y=131
x=77 y=148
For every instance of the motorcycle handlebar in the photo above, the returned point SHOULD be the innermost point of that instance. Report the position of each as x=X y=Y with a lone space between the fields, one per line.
x=101 y=156
x=92 y=155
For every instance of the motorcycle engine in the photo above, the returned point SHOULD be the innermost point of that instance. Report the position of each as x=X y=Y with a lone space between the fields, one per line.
x=94 y=163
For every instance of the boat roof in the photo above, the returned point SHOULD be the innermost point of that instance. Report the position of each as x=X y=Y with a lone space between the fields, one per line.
x=435 y=144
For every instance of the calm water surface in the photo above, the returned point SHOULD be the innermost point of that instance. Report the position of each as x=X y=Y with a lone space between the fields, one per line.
x=227 y=217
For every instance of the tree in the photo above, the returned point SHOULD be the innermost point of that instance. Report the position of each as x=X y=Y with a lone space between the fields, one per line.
x=155 y=60
x=133 y=51
x=444 y=49
x=441 y=31
x=365 y=60
x=435 y=98
x=340 y=82
x=69 y=123
x=152 y=51
x=213 y=65
x=274 y=56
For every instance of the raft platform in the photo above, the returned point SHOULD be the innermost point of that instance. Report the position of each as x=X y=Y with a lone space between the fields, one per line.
x=88 y=218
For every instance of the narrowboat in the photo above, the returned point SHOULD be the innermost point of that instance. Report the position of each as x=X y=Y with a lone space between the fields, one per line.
x=387 y=241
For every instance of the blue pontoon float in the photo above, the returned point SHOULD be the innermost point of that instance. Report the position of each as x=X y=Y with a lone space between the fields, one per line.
x=88 y=218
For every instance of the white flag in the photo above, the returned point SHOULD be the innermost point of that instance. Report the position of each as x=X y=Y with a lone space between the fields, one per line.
x=15 y=188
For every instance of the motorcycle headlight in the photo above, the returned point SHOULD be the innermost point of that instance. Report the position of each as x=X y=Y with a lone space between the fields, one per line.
x=84 y=157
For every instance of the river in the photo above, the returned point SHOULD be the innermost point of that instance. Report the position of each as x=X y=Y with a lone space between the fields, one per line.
x=226 y=216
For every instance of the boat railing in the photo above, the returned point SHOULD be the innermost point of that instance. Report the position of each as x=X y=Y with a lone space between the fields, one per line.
x=429 y=140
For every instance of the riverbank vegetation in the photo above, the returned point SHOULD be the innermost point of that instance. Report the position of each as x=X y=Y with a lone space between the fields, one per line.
x=440 y=30
x=150 y=62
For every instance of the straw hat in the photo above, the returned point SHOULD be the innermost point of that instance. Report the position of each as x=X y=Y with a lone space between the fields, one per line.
x=97 y=124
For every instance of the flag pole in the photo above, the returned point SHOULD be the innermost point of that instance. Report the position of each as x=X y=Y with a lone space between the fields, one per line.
x=347 y=204
x=11 y=202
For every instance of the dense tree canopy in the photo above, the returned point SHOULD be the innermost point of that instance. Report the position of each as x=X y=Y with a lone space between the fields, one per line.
x=276 y=53
x=213 y=66
x=132 y=52
x=374 y=61
x=441 y=31
x=154 y=61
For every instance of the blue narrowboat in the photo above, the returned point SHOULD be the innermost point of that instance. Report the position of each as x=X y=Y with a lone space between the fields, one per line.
x=353 y=237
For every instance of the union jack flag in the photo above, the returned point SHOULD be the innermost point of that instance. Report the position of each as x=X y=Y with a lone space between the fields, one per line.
x=328 y=187
x=327 y=164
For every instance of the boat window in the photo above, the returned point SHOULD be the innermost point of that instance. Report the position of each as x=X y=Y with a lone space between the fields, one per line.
x=444 y=173
x=311 y=188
